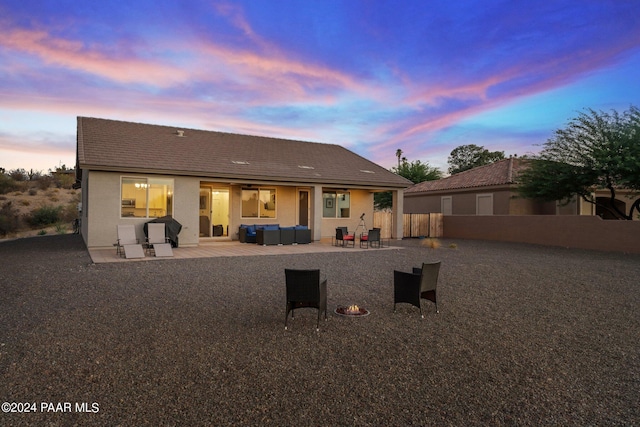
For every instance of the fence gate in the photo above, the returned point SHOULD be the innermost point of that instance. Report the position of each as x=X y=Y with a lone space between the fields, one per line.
x=413 y=225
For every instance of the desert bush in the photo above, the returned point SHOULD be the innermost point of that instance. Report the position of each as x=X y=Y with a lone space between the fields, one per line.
x=19 y=175
x=24 y=202
x=45 y=182
x=431 y=243
x=9 y=219
x=69 y=212
x=44 y=216
x=33 y=191
x=61 y=228
x=64 y=180
x=7 y=184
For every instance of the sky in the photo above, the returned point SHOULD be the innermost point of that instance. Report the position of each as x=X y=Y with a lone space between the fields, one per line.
x=374 y=76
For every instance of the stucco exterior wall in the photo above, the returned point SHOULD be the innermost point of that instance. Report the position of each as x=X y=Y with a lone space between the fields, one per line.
x=102 y=209
x=286 y=213
x=505 y=202
x=102 y=206
x=361 y=202
x=422 y=204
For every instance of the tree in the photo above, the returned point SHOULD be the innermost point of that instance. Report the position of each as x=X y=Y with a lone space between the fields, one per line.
x=415 y=172
x=469 y=156
x=596 y=150
x=398 y=155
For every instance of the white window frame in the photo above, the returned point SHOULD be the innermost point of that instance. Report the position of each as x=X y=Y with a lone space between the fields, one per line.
x=147 y=182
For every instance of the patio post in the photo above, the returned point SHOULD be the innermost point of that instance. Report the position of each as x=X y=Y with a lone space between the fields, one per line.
x=397 y=210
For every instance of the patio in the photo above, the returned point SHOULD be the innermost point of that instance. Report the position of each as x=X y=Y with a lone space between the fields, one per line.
x=526 y=335
x=220 y=248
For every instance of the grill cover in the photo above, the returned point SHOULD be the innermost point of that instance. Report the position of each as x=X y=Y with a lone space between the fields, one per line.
x=172 y=228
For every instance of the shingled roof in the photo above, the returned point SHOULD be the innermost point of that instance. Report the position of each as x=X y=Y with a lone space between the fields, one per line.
x=503 y=172
x=112 y=145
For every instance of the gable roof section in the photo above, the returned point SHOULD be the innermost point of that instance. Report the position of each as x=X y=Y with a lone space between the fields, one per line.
x=112 y=145
x=502 y=172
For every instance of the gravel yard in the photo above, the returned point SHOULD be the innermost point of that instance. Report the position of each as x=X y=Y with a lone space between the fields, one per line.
x=526 y=335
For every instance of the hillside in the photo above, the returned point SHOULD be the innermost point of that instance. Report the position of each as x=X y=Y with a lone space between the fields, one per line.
x=22 y=204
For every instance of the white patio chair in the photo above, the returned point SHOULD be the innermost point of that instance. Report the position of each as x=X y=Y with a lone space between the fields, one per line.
x=157 y=240
x=128 y=244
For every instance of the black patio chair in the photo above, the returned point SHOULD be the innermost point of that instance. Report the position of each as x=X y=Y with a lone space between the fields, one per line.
x=415 y=286
x=371 y=239
x=304 y=289
x=343 y=238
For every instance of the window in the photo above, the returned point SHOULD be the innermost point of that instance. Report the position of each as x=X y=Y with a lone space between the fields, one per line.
x=336 y=204
x=259 y=203
x=146 y=197
x=484 y=204
x=446 y=205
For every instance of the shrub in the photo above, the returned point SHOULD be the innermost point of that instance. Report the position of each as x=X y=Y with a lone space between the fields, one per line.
x=44 y=216
x=431 y=243
x=453 y=246
x=44 y=182
x=9 y=219
x=7 y=184
x=61 y=228
x=19 y=175
x=24 y=202
x=33 y=191
x=69 y=212
x=64 y=180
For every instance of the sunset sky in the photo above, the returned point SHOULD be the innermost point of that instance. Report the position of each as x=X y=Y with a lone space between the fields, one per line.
x=374 y=76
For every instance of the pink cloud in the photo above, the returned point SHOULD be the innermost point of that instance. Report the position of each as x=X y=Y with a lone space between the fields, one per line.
x=76 y=55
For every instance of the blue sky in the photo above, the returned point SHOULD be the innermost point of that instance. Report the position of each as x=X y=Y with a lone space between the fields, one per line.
x=373 y=76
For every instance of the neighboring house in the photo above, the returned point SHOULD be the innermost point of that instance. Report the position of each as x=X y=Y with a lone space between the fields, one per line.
x=492 y=190
x=485 y=190
x=212 y=182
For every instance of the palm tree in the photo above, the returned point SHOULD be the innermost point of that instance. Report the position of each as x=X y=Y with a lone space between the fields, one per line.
x=398 y=155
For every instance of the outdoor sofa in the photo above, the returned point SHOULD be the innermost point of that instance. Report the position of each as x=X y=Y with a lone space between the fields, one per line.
x=273 y=234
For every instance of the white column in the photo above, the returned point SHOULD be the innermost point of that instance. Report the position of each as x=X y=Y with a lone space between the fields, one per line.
x=398 y=214
x=316 y=216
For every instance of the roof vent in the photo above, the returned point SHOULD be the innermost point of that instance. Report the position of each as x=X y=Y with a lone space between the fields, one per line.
x=366 y=171
x=239 y=162
x=305 y=167
x=180 y=133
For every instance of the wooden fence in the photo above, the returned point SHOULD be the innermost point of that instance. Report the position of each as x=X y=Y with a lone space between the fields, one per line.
x=414 y=225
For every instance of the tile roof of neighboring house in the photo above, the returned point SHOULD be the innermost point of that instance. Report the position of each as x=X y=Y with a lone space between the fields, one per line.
x=503 y=172
x=112 y=145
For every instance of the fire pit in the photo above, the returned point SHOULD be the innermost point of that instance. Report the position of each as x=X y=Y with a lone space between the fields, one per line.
x=352 y=311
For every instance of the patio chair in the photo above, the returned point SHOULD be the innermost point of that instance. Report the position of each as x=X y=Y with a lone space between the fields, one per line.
x=343 y=237
x=371 y=239
x=413 y=287
x=128 y=244
x=157 y=240
x=305 y=289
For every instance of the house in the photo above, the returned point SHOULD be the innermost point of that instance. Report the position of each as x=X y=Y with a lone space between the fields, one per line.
x=492 y=190
x=485 y=190
x=212 y=182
